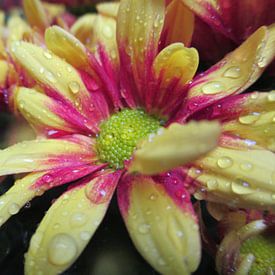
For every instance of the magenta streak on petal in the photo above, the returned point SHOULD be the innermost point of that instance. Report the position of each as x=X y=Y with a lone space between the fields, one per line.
x=61 y=176
x=176 y=183
x=128 y=87
x=123 y=194
x=67 y=111
x=106 y=73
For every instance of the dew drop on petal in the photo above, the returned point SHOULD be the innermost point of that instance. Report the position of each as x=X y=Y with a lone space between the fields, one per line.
x=246 y=166
x=211 y=88
x=74 y=87
x=271 y=96
x=78 y=219
x=85 y=235
x=14 y=208
x=144 y=228
x=241 y=187
x=62 y=249
x=249 y=119
x=212 y=184
x=47 y=55
x=224 y=162
x=232 y=72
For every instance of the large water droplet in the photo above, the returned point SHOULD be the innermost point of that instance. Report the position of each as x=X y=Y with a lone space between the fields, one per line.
x=211 y=88
x=241 y=187
x=212 y=184
x=62 y=249
x=14 y=208
x=271 y=96
x=232 y=72
x=74 y=87
x=250 y=119
x=224 y=162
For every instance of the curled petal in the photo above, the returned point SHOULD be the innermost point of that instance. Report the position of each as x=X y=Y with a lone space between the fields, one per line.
x=36 y=14
x=163 y=230
x=39 y=155
x=232 y=75
x=238 y=177
x=68 y=226
x=175 y=146
x=173 y=67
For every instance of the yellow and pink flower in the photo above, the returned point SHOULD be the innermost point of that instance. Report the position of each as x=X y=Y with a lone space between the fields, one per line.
x=136 y=121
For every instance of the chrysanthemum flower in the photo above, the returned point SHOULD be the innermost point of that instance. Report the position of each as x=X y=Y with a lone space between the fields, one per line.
x=227 y=23
x=104 y=122
x=37 y=17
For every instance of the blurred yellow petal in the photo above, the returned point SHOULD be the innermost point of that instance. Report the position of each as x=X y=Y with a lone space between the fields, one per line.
x=36 y=14
x=17 y=29
x=175 y=146
x=17 y=196
x=83 y=28
x=237 y=177
x=51 y=71
x=66 y=46
x=4 y=69
x=43 y=154
x=65 y=230
x=176 y=61
x=54 y=9
x=36 y=108
x=108 y=9
x=178 y=24
x=233 y=74
x=165 y=233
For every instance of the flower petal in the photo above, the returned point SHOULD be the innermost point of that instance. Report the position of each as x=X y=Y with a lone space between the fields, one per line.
x=173 y=67
x=175 y=146
x=163 y=229
x=38 y=155
x=66 y=46
x=4 y=69
x=68 y=226
x=38 y=109
x=178 y=24
x=239 y=177
x=36 y=14
x=232 y=75
x=139 y=27
x=60 y=81
x=108 y=9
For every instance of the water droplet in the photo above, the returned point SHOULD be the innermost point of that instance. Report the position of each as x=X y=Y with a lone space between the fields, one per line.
x=225 y=162
x=212 y=184
x=246 y=166
x=250 y=119
x=153 y=197
x=47 y=178
x=271 y=96
x=35 y=242
x=42 y=70
x=107 y=31
x=211 y=88
x=241 y=187
x=233 y=72
x=74 y=87
x=78 y=219
x=62 y=249
x=50 y=77
x=144 y=228
x=14 y=208
x=161 y=262
x=47 y=55
x=85 y=235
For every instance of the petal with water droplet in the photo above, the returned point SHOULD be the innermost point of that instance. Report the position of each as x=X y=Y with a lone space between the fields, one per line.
x=167 y=237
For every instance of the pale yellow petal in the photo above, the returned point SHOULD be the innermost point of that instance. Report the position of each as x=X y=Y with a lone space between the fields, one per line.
x=166 y=234
x=175 y=146
x=108 y=9
x=237 y=177
x=18 y=195
x=36 y=14
x=64 y=232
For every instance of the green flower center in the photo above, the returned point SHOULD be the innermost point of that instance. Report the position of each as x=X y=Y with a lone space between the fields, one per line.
x=263 y=249
x=120 y=134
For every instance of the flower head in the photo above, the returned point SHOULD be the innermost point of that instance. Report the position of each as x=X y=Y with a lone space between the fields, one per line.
x=105 y=121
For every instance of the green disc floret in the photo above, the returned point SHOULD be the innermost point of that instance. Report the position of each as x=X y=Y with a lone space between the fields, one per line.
x=120 y=134
x=263 y=249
